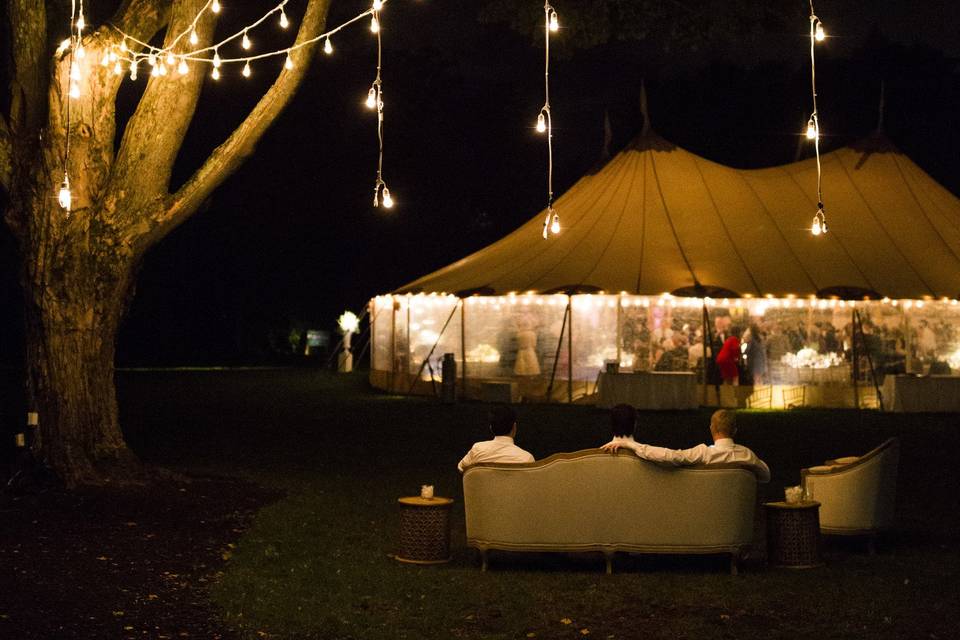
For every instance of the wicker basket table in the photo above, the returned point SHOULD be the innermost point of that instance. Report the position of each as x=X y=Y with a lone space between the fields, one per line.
x=424 y=530
x=793 y=534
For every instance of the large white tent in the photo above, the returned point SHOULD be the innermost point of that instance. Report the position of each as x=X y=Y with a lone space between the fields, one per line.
x=658 y=218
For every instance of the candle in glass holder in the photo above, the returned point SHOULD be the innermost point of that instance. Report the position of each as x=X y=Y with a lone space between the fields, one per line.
x=426 y=491
x=33 y=418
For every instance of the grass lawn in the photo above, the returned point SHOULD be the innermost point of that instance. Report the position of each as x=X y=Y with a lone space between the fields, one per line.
x=317 y=563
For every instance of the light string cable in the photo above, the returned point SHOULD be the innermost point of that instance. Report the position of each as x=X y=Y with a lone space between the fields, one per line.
x=375 y=101
x=817 y=34
x=551 y=223
x=64 y=194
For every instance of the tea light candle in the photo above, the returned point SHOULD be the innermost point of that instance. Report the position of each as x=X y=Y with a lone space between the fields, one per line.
x=33 y=418
x=426 y=491
x=20 y=440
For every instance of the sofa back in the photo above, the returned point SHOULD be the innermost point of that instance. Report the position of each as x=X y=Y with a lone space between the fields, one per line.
x=593 y=500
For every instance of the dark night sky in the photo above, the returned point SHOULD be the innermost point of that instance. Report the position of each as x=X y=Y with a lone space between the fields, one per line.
x=292 y=238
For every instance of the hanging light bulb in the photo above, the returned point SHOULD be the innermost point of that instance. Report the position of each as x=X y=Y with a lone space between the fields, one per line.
x=105 y=61
x=194 y=38
x=284 y=23
x=182 y=69
x=74 y=71
x=288 y=64
x=387 y=198
x=163 y=69
x=377 y=5
x=554 y=21
x=215 y=6
x=546 y=225
x=64 y=196
x=155 y=71
x=123 y=46
x=555 y=225
x=246 y=70
x=371 y=98
x=811 y=129
x=74 y=89
x=215 y=74
x=374 y=25
x=113 y=56
x=245 y=42
x=541 y=123
x=216 y=59
x=152 y=59
x=815 y=228
x=81 y=52
x=328 y=46
x=133 y=70
x=171 y=59
x=81 y=23
x=117 y=68
x=819 y=33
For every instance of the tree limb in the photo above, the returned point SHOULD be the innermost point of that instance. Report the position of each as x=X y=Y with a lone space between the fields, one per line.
x=28 y=82
x=230 y=155
x=142 y=18
x=6 y=155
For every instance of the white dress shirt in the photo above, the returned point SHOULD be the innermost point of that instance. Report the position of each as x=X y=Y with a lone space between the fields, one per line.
x=723 y=451
x=500 y=449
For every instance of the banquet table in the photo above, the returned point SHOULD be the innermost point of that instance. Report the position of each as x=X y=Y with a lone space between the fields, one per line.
x=649 y=390
x=908 y=394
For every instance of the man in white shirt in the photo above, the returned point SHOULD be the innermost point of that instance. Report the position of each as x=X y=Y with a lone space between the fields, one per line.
x=723 y=426
x=503 y=424
x=623 y=422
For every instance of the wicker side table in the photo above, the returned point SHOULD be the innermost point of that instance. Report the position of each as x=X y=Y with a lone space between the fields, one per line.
x=424 y=530
x=793 y=534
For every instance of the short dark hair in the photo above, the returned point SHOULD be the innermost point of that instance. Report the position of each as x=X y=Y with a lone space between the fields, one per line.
x=502 y=419
x=623 y=420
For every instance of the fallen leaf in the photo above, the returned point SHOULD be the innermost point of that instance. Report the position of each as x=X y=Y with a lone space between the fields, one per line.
x=531 y=635
x=584 y=632
x=566 y=621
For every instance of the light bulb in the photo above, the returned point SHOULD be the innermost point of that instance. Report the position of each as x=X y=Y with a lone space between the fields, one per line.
x=554 y=21
x=811 y=130
x=113 y=56
x=74 y=72
x=820 y=34
x=171 y=59
x=106 y=59
x=133 y=70
x=163 y=69
x=328 y=47
x=155 y=71
x=555 y=225
x=117 y=68
x=215 y=6
x=74 y=89
x=546 y=224
x=283 y=19
x=216 y=60
x=215 y=74
x=387 y=199
x=194 y=38
x=152 y=59
x=289 y=63
x=377 y=5
x=81 y=23
x=182 y=69
x=541 y=123
x=815 y=228
x=123 y=45
x=371 y=98
x=245 y=42
x=246 y=70
x=64 y=196
x=374 y=25
x=81 y=52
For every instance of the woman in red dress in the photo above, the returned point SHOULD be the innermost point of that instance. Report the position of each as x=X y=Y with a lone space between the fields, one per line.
x=729 y=356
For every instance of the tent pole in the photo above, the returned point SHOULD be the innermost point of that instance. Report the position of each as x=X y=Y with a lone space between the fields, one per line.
x=556 y=357
x=570 y=350
x=463 y=348
x=394 y=305
x=707 y=342
x=619 y=326
x=426 y=361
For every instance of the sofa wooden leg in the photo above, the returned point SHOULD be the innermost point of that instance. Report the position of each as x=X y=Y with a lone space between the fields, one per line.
x=609 y=559
x=483 y=559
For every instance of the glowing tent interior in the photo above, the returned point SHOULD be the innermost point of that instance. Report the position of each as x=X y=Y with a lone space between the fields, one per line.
x=661 y=247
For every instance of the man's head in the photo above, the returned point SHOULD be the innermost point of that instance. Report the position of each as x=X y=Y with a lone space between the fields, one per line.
x=723 y=424
x=623 y=420
x=503 y=421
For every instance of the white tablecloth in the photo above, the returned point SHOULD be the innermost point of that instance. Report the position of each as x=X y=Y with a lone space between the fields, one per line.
x=925 y=393
x=653 y=390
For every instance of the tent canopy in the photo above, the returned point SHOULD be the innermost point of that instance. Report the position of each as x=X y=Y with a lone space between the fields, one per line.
x=657 y=218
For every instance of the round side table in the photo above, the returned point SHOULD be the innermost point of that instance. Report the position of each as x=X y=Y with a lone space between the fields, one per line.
x=793 y=534
x=424 y=530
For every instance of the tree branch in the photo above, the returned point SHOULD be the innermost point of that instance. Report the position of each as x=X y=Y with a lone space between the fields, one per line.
x=28 y=82
x=230 y=155
x=142 y=18
x=6 y=155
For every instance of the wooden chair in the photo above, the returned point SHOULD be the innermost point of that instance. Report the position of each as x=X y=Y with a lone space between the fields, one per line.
x=761 y=398
x=794 y=397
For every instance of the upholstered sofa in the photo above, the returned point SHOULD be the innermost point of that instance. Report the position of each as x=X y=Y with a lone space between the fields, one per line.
x=856 y=494
x=596 y=501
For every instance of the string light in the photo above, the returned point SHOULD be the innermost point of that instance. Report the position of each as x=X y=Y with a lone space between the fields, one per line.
x=215 y=74
x=216 y=60
x=551 y=223
x=328 y=47
x=374 y=24
x=288 y=63
x=64 y=197
x=376 y=94
x=819 y=225
x=215 y=6
x=182 y=69
x=246 y=70
x=194 y=38
x=284 y=23
x=245 y=43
